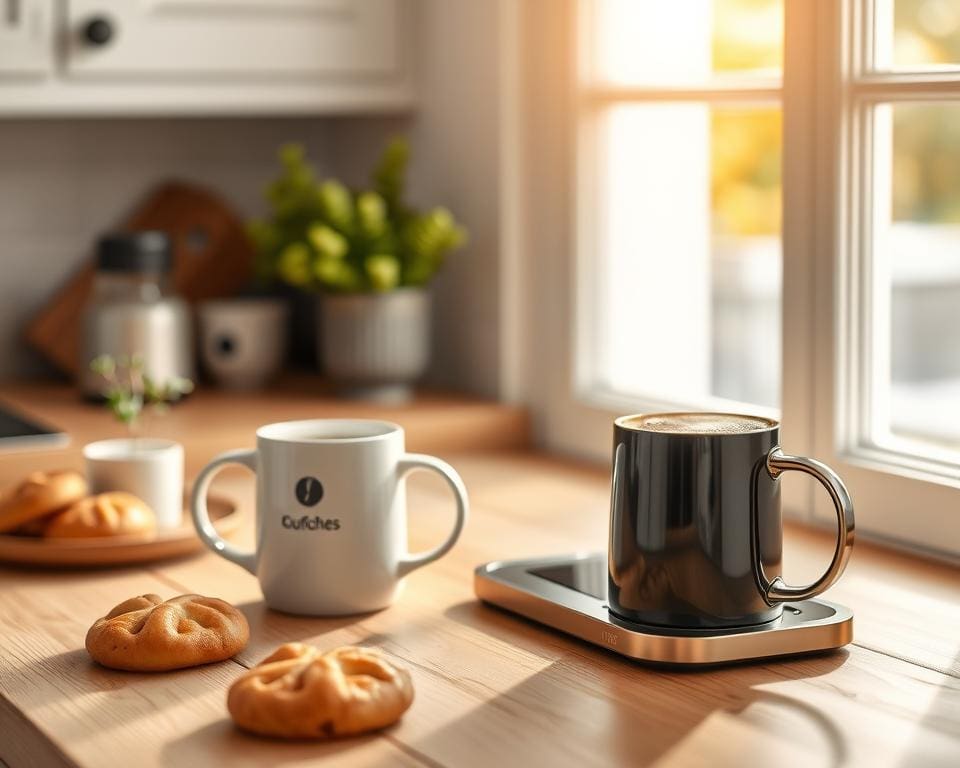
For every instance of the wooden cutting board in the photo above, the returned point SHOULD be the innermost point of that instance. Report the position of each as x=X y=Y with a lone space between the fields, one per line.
x=211 y=258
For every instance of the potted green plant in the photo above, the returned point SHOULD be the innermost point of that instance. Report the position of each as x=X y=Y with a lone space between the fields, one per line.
x=370 y=256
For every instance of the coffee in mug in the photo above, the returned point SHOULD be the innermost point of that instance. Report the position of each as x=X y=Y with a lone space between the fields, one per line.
x=696 y=537
x=331 y=519
x=699 y=423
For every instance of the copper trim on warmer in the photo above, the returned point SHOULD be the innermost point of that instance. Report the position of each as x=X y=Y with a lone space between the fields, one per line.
x=668 y=649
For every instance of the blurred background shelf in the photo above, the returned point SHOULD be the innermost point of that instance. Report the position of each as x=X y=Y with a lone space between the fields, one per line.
x=211 y=421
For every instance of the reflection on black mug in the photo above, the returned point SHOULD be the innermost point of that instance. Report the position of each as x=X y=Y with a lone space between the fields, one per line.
x=696 y=538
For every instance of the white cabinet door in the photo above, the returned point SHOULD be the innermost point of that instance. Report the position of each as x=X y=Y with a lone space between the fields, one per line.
x=26 y=42
x=181 y=39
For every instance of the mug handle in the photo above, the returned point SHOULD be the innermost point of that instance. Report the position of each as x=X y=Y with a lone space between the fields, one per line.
x=777 y=590
x=414 y=461
x=201 y=517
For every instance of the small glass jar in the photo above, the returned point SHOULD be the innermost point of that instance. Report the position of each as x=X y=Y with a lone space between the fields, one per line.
x=133 y=311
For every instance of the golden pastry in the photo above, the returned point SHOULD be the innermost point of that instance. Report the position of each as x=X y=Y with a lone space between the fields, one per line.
x=299 y=692
x=40 y=495
x=35 y=527
x=106 y=514
x=146 y=634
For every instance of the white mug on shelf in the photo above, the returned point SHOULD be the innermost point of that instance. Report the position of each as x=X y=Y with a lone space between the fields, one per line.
x=331 y=526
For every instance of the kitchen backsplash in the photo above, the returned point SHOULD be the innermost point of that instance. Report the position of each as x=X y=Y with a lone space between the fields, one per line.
x=64 y=182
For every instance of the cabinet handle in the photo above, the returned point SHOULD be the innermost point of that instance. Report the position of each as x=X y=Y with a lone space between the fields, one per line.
x=98 y=31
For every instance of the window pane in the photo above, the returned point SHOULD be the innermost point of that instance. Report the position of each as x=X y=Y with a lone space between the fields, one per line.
x=918 y=34
x=690 y=268
x=658 y=41
x=917 y=274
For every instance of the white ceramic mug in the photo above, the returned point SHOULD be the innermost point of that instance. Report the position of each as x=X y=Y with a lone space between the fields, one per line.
x=148 y=468
x=331 y=514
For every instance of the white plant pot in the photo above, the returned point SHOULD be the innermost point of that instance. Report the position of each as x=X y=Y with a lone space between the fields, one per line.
x=150 y=469
x=375 y=346
x=243 y=342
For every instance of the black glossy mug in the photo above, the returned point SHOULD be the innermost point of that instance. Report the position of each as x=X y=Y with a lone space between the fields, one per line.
x=696 y=538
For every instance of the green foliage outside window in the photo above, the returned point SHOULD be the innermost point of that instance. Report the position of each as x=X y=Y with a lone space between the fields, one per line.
x=746 y=143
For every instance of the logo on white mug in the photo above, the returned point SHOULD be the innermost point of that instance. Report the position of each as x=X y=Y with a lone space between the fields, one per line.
x=305 y=523
x=309 y=491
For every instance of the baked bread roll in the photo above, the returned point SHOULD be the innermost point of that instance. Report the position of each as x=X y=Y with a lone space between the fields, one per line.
x=34 y=528
x=146 y=634
x=299 y=692
x=39 y=495
x=106 y=514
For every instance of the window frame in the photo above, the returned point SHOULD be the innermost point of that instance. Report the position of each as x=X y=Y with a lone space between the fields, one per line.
x=590 y=98
x=901 y=497
x=826 y=223
x=572 y=416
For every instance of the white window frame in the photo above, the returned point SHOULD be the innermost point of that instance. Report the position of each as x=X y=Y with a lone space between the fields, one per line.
x=904 y=498
x=898 y=497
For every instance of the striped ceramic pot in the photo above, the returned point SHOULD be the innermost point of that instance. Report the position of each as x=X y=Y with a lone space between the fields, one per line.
x=375 y=345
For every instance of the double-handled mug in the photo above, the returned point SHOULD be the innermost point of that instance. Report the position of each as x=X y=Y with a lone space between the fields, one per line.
x=331 y=528
x=696 y=538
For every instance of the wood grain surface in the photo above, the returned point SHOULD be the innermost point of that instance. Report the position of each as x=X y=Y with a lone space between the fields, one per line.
x=492 y=689
x=210 y=420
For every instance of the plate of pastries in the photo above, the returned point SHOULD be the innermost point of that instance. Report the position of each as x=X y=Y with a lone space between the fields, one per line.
x=52 y=518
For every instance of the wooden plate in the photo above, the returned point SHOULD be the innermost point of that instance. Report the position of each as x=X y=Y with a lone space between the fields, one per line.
x=119 y=550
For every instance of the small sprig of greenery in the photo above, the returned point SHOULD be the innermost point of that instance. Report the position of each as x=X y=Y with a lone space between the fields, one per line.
x=323 y=236
x=129 y=390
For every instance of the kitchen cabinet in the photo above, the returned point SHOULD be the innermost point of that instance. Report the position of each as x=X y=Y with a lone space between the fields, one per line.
x=204 y=56
x=25 y=36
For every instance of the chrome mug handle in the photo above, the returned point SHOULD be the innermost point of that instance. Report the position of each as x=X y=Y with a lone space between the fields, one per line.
x=777 y=590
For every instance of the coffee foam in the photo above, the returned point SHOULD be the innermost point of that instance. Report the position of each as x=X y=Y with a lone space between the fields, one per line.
x=697 y=423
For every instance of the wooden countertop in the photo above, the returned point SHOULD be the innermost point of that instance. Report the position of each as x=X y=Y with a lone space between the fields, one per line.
x=210 y=420
x=491 y=690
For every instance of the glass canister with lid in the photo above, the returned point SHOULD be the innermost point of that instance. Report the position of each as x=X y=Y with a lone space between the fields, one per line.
x=133 y=310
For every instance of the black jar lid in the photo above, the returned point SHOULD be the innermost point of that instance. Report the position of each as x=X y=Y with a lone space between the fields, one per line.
x=134 y=252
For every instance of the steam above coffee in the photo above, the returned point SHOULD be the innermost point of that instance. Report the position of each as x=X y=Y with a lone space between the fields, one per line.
x=697 y=423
